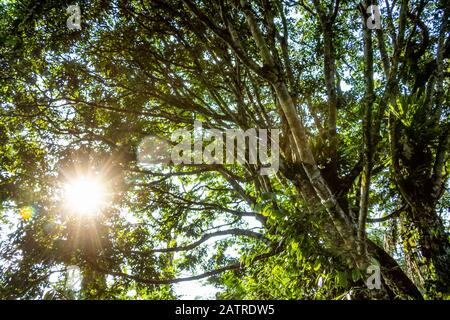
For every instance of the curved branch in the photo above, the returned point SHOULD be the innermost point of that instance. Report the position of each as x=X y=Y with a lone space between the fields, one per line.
x=204 y=238
x=306 y=7
x=387 y=217
x=207 y=274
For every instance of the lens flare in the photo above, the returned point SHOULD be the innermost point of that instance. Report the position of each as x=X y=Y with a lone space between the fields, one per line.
x=85 y=196
x=26 y=212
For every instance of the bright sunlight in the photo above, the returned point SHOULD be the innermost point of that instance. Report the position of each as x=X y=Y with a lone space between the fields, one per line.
x=85 y=196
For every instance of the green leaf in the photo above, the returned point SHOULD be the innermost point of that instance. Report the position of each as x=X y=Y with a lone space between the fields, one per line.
x=267 y=196
x=317 y=265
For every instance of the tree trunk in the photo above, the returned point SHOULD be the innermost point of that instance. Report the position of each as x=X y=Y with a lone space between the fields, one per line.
x=434 y=247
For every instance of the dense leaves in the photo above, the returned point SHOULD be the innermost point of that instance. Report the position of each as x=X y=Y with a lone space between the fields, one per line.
x=364 y=164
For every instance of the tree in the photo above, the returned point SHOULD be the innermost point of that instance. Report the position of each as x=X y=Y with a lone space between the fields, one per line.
x=364 y=127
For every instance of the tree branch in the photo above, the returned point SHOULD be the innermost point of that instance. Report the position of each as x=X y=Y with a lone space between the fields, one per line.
x=204 y=238
x=387 y=217
x=236 y=266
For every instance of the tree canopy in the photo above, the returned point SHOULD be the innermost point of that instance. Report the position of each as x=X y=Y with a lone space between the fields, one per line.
x=364 y=138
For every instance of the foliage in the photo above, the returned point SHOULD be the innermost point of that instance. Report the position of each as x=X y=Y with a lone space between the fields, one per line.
x=76 y=102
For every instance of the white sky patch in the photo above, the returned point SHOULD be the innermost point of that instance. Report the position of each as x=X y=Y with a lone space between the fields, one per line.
x=195 y=290
x=128 y=216
x=345 y=86
x=13 y=220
